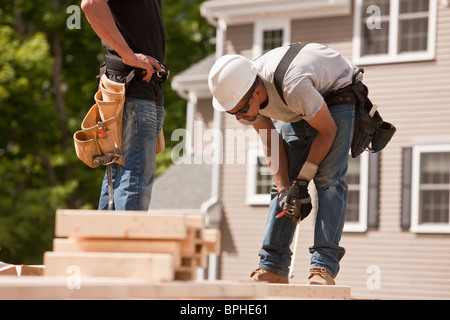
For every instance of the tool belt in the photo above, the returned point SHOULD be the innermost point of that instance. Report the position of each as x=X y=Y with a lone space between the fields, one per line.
x=371 y=132
x=114 y=65
x=101 y=129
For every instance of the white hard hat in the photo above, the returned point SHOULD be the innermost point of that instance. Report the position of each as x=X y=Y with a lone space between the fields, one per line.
x=230 y=79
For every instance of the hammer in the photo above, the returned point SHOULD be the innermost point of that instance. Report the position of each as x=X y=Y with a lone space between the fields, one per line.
x=108 y=159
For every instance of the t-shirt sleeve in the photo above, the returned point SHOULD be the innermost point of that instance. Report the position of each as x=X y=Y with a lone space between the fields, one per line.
x=303 y=98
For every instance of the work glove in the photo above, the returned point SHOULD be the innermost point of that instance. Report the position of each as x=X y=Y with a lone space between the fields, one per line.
x=285 y=202
x=296 y=202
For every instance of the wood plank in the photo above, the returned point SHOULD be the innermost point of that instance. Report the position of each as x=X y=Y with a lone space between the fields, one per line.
x=148 y=266
x=8 y=270
x=195 y=221
x=172 y=247
x=211 y=239
x=32 y=270
x=21 y=270
x=304 y=292
x=188 y=244
x=51 y=288
x=192 y=247
x=119 y=224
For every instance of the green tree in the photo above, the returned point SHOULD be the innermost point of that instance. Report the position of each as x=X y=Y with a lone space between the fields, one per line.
x=47 y=83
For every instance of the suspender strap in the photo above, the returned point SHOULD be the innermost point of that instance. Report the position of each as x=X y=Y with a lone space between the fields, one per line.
x=284 y=65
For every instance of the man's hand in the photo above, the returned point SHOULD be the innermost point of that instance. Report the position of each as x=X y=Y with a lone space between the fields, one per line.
x=304 y=200
x=296 y=201
x=100 y=17
x=285 y=201
x=148 y=63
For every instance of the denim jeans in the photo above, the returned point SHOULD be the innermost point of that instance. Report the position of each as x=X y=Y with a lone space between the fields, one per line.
x=133 y=182
x=275 y=253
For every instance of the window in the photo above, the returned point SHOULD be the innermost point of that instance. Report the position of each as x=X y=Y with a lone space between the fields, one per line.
x=430 y=188
x=357 y=180
x=259 y=178
x=394 y=31
x=269 y=34
x=272 y=39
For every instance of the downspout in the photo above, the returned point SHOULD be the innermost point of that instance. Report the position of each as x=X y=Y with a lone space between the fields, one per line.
x=213 y=203
x=218 y=117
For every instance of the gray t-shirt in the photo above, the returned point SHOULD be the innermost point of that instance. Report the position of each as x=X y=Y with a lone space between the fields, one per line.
x=315 y=71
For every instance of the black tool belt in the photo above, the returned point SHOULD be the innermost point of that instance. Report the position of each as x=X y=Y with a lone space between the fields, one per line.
x=371 y=132
x=114 y=65
x=342 y=96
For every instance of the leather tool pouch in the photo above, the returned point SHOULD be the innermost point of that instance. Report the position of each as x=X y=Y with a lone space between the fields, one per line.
x=114 y=65
x=371 y=132
x=101 y=129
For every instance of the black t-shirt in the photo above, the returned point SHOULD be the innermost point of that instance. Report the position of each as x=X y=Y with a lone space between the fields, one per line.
x=141 y=24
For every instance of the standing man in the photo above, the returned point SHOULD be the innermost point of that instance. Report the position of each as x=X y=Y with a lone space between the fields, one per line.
x=316 y=139
x=133 y=34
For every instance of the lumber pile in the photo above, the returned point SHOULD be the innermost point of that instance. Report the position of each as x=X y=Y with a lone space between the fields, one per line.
x=130 y=244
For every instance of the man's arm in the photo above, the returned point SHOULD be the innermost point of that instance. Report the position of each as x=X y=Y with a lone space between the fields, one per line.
x=279 y=170
x=324 y=123
x=100 y=18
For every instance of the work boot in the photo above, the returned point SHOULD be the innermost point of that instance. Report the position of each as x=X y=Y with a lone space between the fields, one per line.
x=320 y=277
x=270 y=277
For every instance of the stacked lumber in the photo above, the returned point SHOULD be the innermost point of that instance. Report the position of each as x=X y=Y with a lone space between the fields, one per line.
x=130 y=244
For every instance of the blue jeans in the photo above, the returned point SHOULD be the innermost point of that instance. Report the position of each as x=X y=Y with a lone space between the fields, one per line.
x=275 y=253
x=133 y=182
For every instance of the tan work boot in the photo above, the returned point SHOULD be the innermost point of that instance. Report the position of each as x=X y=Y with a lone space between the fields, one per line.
x=320 y=277
x=270 y=277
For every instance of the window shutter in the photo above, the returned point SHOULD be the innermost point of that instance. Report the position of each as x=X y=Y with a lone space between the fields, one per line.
x=374 y=186
x=405 y=219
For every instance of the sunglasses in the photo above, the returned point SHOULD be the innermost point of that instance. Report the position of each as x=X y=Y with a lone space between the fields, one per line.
x=245 y=109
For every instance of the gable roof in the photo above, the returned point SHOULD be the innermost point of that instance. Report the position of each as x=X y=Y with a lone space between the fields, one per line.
x=195 y=78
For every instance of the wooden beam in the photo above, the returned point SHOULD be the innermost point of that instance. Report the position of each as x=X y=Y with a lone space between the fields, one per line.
x=211 y=239
x=148 y=266
x=51 y=288
x=32 y=270
x=119 y=224
x=8 y=270
x=172 y=247
x=305 y=292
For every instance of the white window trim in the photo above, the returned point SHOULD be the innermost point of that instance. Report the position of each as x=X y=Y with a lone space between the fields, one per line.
x=415 y=184
x=269 y=24
x=252 y=198
x=361 y=225
x=392 y=56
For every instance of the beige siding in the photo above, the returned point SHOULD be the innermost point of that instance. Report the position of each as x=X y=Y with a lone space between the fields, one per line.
x=413 y=96
x=334 y=32
x=239 y=40
x=205 y=113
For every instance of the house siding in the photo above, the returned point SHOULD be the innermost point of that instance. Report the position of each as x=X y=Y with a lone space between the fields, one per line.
x=414 y=97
